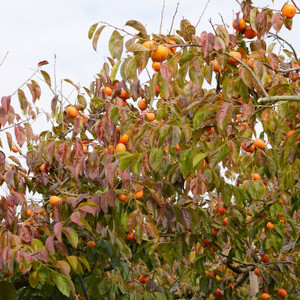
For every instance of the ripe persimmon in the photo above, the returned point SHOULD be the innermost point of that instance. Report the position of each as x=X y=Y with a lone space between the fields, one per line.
x=110 y=148
x=124 y=95
x=43 y=168
x=150 y=116
x=250 y=148
x=241 y=26
x=107 y=90
x=14 y=149
x=142 y=105
x=156 y=66
x=256 y=271
x=143 y=279
x=265 y=296
x=122 y=198
x=177 y=147
x=130 y=236
x=265 y=258
x=218 y=294
x=139 y=194
x=29 y=213
x=256 y=176
x=290 y=133
x=282 y=293
x=225 y=221
x=259 y=144
x=289 y=11
x=236 y=54
x=214 y=232
x=217 y=67
x=91 y=244
x=55 y=200
x=120 y=147
x=250 y=33
x=72 y=111
x=148 y=44
x=250 y=62
x=270 y=225
x=160 y=54
x=124 y=138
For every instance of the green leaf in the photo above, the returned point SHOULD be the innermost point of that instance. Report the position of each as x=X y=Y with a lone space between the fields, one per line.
x=116 y=45
x=204 y=285
x=137 y=47
x=174 y=136
x=92 y=30
x=7 y=291
x=63 y=284
x=104 y=286
x=124 y=270
x=156 y=158
x=125 y=160
x=197 y=158
x=138 y=26
x=186 y=162
x=96 y=37
x=73 y=261
x=114 y=70
x=46 y=77
x=72 y=235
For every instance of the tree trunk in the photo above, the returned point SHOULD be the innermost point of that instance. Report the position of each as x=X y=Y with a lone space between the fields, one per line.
x=253 y=290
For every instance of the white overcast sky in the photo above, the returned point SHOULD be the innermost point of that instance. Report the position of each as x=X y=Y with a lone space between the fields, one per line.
x=35 y=30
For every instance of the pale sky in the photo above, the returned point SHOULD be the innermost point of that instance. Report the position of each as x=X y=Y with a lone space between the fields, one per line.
x=35 y=30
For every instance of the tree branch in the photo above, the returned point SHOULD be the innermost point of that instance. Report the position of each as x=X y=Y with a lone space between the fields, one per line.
x=162 y=16
x=4 y=58
x=295 y=98
x=199 y=20
x=282 y=39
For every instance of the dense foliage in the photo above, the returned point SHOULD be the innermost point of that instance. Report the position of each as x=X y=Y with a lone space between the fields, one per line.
x=183 y=186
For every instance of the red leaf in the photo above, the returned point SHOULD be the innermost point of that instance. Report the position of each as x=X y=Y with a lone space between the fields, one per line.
x=62 y=152
x=50 y=151
x=37 y=88
x=110 y=174
x=54 y=103
x=186 y=219
x=277 y=21
x=32 y=91
x=3 y=117
x=42 y=63
x=5 y=101
x=207 y=42
x=75 y=218
x=79 y=164
x=6 y=254
x=20 y=135
x=247 y=111
x=88 y=209
x=152 y=229
x=25 y=234
x=273 y=59
x=57 y=231
x=50 y=244
x=20 y=197
x=166 y=72
x=224 y=114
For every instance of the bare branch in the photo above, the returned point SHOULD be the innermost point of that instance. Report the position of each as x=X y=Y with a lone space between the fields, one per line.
x=282 y=39
x=162 y=16
x=174 y=17
x=202 y=13
x=295 y=98
x=295 y=5
x=4 y=58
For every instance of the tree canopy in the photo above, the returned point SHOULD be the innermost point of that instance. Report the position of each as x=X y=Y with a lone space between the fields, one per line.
x=174 y=175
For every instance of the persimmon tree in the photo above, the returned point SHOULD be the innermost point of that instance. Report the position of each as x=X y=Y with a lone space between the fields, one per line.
x=180 y=181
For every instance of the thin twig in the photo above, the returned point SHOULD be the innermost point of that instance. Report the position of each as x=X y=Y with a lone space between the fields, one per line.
x=25 y=82
x=162 y=16
x=295 y=5
x=202 y=13
x=174 y=17
x=282 y=39
x=4 y=58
